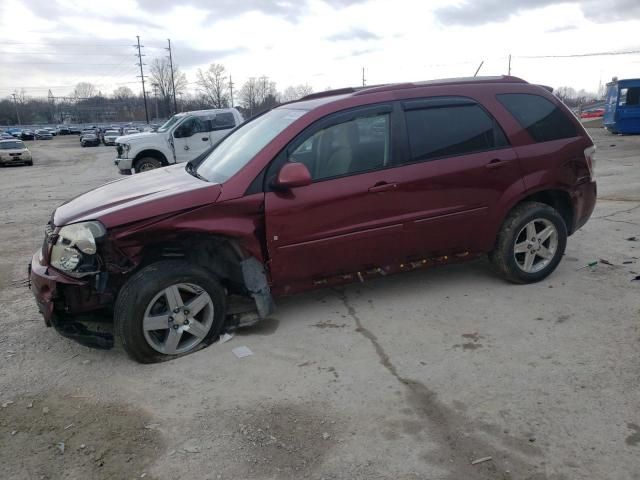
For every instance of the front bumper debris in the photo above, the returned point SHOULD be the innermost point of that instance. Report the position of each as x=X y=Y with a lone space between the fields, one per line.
x=45 y=285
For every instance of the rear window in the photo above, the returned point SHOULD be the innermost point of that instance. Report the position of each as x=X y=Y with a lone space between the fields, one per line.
x=451 y=130
x=541 y=118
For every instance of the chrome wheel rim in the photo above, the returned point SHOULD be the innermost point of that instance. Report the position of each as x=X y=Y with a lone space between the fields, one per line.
x=178 y=318
x=146 y=166
x=536 y=245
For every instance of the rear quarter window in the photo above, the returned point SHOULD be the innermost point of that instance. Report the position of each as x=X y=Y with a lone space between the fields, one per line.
x=543 y=120
x=451 y=131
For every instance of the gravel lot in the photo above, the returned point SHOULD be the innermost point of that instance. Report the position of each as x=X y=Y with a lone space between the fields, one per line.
x=409 y=377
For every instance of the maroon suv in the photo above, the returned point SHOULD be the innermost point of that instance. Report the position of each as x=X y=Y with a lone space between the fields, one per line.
x=340 y=186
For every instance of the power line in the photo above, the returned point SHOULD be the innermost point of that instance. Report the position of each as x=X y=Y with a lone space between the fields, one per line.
x=73 y=54
x=598 y=54
x=57 y=63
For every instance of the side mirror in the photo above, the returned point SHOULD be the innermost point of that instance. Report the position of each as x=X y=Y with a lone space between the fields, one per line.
x=293 y=174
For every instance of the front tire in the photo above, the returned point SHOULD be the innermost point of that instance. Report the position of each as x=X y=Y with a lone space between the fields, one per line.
x=168 y=309
x=530 y=244
x=147 y=163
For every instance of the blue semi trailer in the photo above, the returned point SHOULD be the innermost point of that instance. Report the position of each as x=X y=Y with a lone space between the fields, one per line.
x=622 y=108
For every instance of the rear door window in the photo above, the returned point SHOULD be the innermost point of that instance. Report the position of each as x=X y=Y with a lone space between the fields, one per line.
x=446 y=128
x=543 y=120
x=223 y=121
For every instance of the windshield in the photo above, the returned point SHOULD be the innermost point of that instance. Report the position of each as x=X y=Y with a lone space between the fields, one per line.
x=112 y=132
x=11 y=145
x=169 y=123
x=236 y=150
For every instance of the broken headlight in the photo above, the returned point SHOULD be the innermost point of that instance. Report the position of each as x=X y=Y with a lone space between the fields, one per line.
x=74 y=252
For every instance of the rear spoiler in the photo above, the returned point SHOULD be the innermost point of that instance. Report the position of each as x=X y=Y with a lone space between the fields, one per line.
x=547 y=87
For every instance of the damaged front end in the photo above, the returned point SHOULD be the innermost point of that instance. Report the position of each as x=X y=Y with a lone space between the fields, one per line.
x=70 y=284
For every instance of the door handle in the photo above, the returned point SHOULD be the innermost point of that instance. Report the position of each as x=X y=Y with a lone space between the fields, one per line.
x=496 y=163
x=186 y=147
x=204 y=139
x=383 y=187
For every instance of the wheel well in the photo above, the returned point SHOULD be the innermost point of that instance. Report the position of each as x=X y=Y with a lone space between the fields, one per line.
x=557 y=199
x=239 y=272
x=153 y=154
x=220 y=255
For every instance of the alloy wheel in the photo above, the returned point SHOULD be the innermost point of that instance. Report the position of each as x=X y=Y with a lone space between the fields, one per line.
x=536 y=245
x=178 y=318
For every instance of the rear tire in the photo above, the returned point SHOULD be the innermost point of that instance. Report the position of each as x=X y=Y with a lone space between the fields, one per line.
x=150 y=296
x=147 y=163
x=530 y=244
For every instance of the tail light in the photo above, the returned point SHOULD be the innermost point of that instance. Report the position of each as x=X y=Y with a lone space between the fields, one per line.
x=590 y=157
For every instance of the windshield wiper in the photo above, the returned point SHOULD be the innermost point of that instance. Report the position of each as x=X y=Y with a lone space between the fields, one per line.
x=192 y=171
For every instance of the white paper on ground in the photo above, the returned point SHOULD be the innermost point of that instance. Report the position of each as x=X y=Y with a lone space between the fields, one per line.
x=225 y=338
x=242 y=352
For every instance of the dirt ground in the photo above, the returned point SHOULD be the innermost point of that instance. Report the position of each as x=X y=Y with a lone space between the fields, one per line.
x=414 y=376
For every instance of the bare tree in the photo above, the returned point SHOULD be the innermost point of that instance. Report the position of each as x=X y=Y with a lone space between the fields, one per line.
x=84 y=90
x=295 y=92
x=213 y=85
x=249 y=95
x=265 y=89
x=160 y=75
x=122 y=93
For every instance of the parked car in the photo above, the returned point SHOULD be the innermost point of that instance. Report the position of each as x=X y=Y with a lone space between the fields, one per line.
x=340 y=186
x=62 y=130
x=109 y=137
x=27 y=135
x=14 y=132
x=52 y=130
x=593 y=113
x=13 y=151
x=73 y=130
x=182 y=138
x=6 y=136
x=43 y=134
x=89 y=140
x=87 y=131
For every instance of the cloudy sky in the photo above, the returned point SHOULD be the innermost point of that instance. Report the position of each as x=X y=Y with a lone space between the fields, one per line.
x=325 y=43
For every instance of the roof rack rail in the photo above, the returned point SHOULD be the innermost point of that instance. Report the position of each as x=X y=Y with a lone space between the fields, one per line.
x=339 y=91
x=399 y=86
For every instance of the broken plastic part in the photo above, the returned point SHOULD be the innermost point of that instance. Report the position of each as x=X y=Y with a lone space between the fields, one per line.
x=255 y=280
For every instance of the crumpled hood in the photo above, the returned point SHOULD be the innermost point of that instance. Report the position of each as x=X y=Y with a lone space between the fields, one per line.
x=141 y=196
x=136 y=137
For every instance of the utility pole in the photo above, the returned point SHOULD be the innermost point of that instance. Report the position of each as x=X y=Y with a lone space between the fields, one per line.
x=155 y=94
x=364 y=82
x=17 y=113
x=173 y=83
x=231 y=90
x=509 y=64
x=144 y=93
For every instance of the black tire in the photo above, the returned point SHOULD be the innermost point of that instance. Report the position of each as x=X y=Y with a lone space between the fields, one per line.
x=502 y=256
x=30 y=164
x=140 y=290
x=147 y=163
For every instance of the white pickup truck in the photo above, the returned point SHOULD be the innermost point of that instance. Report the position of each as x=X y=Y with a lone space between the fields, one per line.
x=182 y=138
